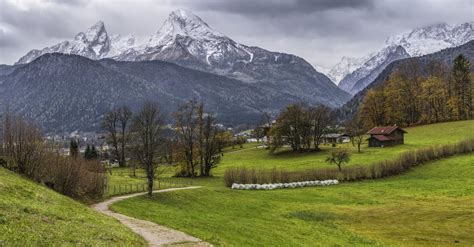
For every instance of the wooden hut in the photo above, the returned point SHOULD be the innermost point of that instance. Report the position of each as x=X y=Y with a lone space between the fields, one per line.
x=385 y=136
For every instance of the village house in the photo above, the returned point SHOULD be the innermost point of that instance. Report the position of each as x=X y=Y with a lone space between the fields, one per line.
x=386 y=136
x=335 y=138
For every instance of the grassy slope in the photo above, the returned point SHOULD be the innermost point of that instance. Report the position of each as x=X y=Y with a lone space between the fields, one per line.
x=31 y=215
x=431 y=205
x=417 y=137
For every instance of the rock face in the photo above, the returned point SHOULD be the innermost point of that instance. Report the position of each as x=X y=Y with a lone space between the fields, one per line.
x=351 y=73
x=186 y=40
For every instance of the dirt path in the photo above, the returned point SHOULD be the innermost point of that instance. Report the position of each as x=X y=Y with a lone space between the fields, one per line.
x=154 y=234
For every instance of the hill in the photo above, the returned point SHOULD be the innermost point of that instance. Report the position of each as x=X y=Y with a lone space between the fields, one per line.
x=417 y=137
x=429 y=206
x=33 y=215
x=354 y=74
x=399 y=210
x=420 y=64
x=68 y=92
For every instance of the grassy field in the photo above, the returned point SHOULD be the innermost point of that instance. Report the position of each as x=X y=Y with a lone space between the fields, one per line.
x=430 y=205
x=250 y=156
x=121 y=180
x=416 y=137
x=32 y=215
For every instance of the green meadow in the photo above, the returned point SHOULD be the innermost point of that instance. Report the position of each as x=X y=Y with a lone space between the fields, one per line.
x=33 y=215
x=431 y=205
x=417 y=137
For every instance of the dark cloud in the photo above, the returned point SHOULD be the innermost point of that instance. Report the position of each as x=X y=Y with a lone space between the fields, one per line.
x=321 y=31
x=275 y=8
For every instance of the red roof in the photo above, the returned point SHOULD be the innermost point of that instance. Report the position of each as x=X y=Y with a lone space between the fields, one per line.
x=382 y=138
x=384 y=130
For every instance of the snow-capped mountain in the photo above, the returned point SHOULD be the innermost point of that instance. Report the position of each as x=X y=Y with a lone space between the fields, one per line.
x=423 y=64
x=345 y=67
x=430 y=39
x=94 y=43
x=185 y=59
x=418 y=42
x=186 y=40
x=365 y=74
x=181 y=26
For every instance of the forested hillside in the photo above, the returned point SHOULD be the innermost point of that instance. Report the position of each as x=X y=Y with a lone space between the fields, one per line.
x=418 y=90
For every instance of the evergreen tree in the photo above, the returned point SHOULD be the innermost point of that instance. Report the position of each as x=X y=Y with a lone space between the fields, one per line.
x=94 y=154
x=73 y=148
x=87 y=153
x=462 y=87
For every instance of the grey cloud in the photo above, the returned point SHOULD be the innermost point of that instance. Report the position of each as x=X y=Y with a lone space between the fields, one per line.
x=48 y=22
x=273 y=8
x=6 y=41
x=321 y=31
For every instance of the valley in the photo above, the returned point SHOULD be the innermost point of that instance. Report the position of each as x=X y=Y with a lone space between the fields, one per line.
x=377 y=212
x=235 y=123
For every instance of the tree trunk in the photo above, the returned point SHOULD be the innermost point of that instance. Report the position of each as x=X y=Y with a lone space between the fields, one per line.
x=150 y=185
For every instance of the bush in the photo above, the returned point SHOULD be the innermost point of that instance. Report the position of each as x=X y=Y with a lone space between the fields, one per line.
x=358 y=172
x=77 y=178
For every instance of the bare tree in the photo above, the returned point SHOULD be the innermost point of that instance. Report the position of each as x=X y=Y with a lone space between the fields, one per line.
x=147 y=129
x=200 y=135
x=211 y=145
x=23 y=145
x=186 y=124
x=116 y=124
x=110 y=125
x=357 y=131
x=320 y=118
x=124 y=119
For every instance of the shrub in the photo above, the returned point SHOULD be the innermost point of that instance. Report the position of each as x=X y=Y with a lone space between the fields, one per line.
x=375 y=170
x=77 y=178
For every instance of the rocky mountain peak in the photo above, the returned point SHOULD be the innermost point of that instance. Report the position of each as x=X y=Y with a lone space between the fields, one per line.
x=433 y=38
x=94 y=34
x=184 y=23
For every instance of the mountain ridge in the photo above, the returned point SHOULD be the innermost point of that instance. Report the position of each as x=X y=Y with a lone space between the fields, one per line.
x=64 y=92
x=186 y=40
x=445 y=56
x=417 y=42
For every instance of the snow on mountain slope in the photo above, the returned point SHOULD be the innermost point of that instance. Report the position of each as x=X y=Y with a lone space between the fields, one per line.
x=346 y=66
x=418 y=42
x=362 y=76
x=430 y=39
x=193 y=35
x=186 y=40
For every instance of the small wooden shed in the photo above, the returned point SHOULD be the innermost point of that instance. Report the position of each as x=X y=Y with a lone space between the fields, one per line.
x=385 y=136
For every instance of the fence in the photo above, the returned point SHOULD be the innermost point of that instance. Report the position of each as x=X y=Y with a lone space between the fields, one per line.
x=130 y=187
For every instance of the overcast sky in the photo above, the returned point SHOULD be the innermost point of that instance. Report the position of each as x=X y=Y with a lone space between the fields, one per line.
x=321 y=31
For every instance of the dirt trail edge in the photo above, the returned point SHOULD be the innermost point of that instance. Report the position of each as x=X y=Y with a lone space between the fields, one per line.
x=154 y=234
